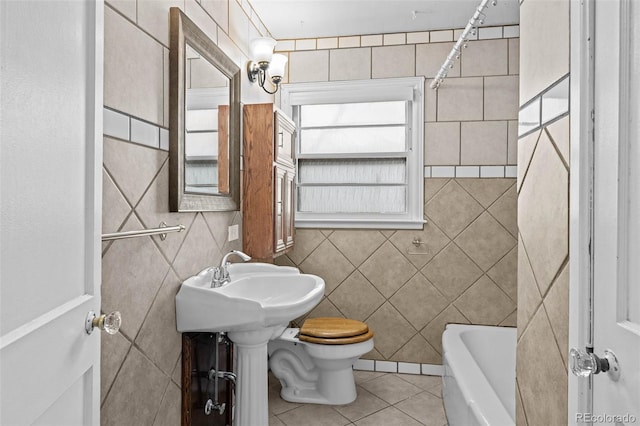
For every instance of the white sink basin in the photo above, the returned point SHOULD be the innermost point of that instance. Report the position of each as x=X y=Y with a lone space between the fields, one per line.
x=236 y=269
x=258 y=296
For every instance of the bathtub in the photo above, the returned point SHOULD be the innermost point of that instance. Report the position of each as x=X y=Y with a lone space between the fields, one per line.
x=479 y=379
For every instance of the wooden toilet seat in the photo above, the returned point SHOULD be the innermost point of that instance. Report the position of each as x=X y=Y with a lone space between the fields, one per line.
x=334 y=331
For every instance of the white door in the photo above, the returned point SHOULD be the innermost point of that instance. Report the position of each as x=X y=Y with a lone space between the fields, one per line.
x=616 y=237
x=50 y=210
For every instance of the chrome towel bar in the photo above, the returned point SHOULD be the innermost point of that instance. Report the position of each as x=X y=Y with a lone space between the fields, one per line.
x=162 y=230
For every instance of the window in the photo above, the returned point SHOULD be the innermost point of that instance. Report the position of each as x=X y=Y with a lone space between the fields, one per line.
x=359 y=152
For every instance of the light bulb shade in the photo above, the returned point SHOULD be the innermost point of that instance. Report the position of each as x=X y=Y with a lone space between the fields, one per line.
x=262 y=49
x=277 y=65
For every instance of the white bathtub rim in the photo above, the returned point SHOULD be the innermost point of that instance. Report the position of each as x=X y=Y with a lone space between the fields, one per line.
x=458 y=356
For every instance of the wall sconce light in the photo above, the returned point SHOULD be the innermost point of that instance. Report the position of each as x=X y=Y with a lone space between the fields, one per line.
x=265 y=61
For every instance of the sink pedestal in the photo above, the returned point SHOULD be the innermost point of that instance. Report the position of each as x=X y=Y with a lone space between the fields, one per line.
x=251 y=407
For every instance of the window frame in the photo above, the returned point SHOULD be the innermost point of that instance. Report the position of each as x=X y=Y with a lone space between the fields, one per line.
x=409 y=89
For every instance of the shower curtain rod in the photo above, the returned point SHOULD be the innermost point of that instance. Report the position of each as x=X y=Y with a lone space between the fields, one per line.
x=477 y=17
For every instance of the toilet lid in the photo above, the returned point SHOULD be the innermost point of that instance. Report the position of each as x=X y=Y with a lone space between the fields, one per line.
x=334 y=331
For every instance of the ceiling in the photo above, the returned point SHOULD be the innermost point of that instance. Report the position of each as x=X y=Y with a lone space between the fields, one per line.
x=288 y=19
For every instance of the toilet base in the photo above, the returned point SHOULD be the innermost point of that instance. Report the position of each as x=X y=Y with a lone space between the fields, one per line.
x=315 y=374
x=332 y=388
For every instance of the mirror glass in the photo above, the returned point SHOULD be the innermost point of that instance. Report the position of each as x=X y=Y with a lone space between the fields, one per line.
x=204 y=121
x=206 y=139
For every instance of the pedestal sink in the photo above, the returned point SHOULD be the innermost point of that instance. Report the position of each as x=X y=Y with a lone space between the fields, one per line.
x=255 y=306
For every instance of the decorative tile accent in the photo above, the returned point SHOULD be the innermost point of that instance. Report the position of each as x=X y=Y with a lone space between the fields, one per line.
x=115 y=124
x=489 y=33
x=328 y=43
x=145 y=133
x=408 y=368
x=364 y=365
x=286 y=46
x=551 y=104
x=468 y=171
x=440 y=36
x=306 y=44
x=371 y=40
x=529 y=117
x=492 y=171
x=432 y=370
x=511 y=31
x=394 y=39
x=443 y=171
x=387 y=366
x=421 y=37
x=129 y=128
x=349 y=41
x=555 y=101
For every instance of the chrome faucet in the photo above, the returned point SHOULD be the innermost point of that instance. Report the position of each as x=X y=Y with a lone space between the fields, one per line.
x=221 y=273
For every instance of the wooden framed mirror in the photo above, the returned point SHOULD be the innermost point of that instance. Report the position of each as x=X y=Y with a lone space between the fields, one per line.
x=204 y=121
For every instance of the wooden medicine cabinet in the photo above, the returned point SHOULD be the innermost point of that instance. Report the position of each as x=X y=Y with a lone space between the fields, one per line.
x=268 y=182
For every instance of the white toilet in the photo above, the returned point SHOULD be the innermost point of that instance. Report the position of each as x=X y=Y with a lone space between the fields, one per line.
x=314 y=363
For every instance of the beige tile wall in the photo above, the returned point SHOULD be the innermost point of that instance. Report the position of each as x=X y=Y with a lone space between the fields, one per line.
x=543 y=220
x=467 y=121
x=465 y=270
x=140 y=369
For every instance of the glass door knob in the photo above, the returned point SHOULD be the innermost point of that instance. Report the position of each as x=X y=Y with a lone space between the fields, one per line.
x=584 y=364
x=110 y=322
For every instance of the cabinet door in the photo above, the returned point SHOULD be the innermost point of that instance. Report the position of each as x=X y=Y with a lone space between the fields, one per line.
x=289 y=208
x=279 y=194
x=284 y=139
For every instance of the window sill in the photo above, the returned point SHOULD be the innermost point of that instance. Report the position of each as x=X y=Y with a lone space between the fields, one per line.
x=360 y=223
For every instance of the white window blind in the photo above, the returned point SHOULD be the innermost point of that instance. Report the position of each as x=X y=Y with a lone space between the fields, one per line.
x=359 y=154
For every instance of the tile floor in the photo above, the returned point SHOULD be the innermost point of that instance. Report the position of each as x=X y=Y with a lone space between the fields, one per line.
x=384 y=399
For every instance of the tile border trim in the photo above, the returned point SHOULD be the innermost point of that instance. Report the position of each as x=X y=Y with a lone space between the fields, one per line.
x=119 y=125
x=475 y=171
x=544 y=115
x=416 y=37
x=398 y=367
